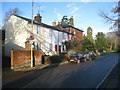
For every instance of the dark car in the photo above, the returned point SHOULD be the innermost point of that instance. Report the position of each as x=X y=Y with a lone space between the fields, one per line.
x=89 y=55
x=77 y=57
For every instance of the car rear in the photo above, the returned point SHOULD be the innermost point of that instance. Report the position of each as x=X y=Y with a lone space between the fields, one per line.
x=73 y=58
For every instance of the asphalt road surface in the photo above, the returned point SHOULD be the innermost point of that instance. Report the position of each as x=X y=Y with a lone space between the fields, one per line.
x=87 y=74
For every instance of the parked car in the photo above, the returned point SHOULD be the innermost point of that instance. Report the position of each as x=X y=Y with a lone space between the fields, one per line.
x=89 y=55
x=77 y=58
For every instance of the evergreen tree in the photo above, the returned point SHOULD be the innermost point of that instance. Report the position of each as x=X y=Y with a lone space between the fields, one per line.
x=65 y=20
x=89 y=34
x=101 y=41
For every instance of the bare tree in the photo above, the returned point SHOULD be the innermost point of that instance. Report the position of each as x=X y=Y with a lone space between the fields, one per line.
x=114 y=19
x=10 y=12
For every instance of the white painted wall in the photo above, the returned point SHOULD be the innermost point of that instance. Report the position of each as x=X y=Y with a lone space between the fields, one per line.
x=15 y=34
x=18 y=30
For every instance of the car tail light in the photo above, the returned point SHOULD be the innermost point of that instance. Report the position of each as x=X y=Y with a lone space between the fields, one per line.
x=75 y=58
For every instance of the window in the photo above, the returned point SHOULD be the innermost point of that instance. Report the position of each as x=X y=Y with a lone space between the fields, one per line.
x=38 y=30
x=69 y=36
x=50 y=33
x=39 y=46
x=63 y=48
x=63 y=35
x=50 y=47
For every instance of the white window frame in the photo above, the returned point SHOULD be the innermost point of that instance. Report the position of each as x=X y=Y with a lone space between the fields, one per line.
x=50 y=32
x=39 y=30
x=50 y=47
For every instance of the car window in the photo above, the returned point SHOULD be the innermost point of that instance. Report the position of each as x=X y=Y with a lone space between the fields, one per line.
x=84 y=53
x=80 y=54
x=73 y=55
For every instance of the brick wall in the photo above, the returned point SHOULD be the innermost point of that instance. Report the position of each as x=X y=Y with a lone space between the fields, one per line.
x=22 y=57
x=79 y=35
x=27 y=46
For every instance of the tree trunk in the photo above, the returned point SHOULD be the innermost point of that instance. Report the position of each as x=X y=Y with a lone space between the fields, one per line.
x=111 y=47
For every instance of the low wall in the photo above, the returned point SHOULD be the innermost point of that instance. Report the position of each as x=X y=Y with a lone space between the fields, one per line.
x=21 y=57
x=55 y=59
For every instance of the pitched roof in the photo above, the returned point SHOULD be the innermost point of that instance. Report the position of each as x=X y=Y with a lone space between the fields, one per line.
x=69 y=26
x=42 y=24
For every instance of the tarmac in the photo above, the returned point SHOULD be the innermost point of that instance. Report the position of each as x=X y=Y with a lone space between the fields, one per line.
x=113 y=79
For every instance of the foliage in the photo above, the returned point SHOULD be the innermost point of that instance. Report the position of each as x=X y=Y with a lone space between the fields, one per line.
x=112 y=39
x=27 y=40
x=65 y=20
x=89 y=34
x=10 y=12
x=73 y=45
x=68 y=44
x=87 y=44
x=101 y=41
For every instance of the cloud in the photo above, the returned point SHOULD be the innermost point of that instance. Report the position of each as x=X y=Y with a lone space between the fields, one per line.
x=70 y=5
x=55 y=10
x=85 y=0
x=59 y=16
x=74 y=10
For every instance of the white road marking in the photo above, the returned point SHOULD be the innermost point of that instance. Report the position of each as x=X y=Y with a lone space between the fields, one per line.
x=106 y=76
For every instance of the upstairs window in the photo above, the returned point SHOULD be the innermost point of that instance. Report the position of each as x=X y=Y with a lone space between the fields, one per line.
x=38 y=30
x=50 y=33
x=63 y=35
x=50 y=47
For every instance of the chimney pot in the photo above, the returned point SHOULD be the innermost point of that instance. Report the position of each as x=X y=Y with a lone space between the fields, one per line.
x=54 y=23
x=71 y=21
x=38 y=14
x=38 y=18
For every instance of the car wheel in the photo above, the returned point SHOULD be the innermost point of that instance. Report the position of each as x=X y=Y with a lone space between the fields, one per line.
x=85 y=60
x=90 y=58
x=68 y=61
x=78 y=61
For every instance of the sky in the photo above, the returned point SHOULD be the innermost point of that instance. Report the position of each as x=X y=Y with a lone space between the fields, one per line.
x=85 y=14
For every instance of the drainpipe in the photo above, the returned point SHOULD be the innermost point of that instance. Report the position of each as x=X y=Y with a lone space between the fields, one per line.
x=74 y=34
x=58 y=42
x=32 y=32
x=70 y=34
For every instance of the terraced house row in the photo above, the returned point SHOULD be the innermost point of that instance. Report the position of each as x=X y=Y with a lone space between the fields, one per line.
x=49 y=39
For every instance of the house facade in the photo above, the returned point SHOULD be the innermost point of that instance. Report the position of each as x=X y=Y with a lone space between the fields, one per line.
x=47 y=38
x=77 y=33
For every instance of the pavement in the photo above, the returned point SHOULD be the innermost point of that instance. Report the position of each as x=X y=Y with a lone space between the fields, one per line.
x=37 y=67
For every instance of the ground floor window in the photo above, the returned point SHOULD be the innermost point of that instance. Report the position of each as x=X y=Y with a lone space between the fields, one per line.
x=39 y=46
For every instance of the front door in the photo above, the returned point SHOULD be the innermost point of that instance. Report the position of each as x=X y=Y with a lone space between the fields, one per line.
x=59 y=49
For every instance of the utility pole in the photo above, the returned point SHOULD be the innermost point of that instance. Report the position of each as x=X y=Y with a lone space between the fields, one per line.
x=32 y=14
x=32 y=32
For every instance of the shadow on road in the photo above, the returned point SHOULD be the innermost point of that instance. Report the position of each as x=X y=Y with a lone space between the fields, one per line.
x=27 y=77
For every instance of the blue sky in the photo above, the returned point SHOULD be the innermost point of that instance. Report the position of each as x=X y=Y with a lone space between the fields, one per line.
x=85 y=14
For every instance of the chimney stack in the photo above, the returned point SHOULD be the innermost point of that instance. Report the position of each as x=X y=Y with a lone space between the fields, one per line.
x=71 y=21
x=38 y=18
x=54 y=23
x=59 y=25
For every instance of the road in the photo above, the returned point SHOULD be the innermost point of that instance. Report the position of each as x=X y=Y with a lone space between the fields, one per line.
x=87 y=74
